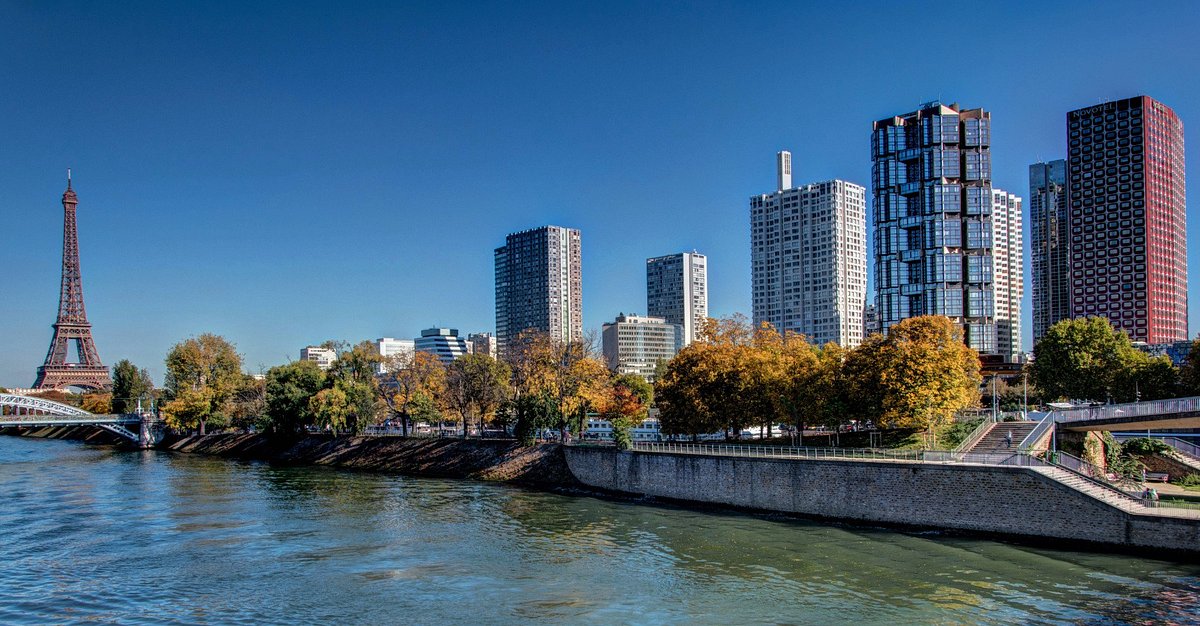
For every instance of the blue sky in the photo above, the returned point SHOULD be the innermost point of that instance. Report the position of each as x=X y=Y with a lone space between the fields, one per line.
x=283 y=173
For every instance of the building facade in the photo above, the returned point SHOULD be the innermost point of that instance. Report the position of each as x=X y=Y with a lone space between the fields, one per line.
x=1050 y=239
x=1127 y=211
x=393 y=349
x=482 y=343
x=808 y=258
x=677 y=291
x=442 y=342
x=1008 y=272
x=635 y=344
x=932 y=189
x=870 y=321
x=539 y=284
x=323 y=357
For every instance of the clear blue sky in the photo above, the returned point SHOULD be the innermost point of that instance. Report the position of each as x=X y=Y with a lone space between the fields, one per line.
x=283 y=173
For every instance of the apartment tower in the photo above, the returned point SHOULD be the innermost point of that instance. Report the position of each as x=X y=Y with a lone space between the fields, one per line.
x=1008 y=272
x=1050 y=254
x=808 y=258
x=539 y=284
x=1125 y=189
x=677 y=291
x=932 y=186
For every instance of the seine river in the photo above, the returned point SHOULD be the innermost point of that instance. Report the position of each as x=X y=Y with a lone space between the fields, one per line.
x=99 y=536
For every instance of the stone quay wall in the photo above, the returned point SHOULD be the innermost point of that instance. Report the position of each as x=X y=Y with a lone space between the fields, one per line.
x=980 y=499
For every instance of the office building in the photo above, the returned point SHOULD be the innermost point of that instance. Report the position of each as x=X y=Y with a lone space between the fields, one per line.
x=1049 y=250
x=932 y=189
x=539 y=284
x=636 y=344
x=870 y=321
x=443 y=342
x=677 y=291
x=1008 y=272
x=1125 y=188
x=393 y=350
x=482 y=343
x=808 y=256
x=323 y=357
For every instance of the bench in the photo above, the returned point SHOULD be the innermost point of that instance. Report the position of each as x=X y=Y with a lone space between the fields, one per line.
x=1158 y=477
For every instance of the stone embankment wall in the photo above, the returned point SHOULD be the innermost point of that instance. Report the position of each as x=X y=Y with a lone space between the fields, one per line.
x=1007 y=500
x=451 y=458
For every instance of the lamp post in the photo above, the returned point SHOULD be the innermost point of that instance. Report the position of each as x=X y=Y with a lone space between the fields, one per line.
x=1025 y=395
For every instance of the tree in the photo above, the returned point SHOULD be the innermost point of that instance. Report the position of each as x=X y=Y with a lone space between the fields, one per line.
x=476 y=386
x=130 y=384
x=926 y=374
x=98 y=403
x=288 y=391
x=356 y=403
x=1088 y=359
x=530 y=403
x=412 y=375
x=248 y=403
x=202 y=374
x=1189 y=374
x=627 y=405
x=680 y=394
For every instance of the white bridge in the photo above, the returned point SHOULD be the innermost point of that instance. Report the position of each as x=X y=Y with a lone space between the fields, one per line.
x=27 y=411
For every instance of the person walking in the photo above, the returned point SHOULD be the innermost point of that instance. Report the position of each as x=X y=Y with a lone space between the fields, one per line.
x=1008 y=439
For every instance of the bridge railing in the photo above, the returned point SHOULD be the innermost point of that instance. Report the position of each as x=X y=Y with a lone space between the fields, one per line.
x=1131 y=409
x=1037 y=434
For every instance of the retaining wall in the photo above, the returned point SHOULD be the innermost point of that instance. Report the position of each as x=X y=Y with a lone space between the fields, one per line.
x=984 y=499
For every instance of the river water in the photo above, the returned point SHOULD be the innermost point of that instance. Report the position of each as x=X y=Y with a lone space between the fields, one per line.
x=95 y=535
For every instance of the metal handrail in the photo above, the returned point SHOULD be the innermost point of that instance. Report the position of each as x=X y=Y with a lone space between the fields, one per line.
x=1036 y=434
x=1094 y=473
x=976 y=435
x=1187 y=448
x=1130 y=409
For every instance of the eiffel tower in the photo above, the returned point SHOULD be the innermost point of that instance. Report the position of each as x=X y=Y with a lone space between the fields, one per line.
x=72 y=324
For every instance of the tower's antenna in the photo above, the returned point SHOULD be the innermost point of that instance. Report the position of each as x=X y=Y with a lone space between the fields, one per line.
x=68 y=178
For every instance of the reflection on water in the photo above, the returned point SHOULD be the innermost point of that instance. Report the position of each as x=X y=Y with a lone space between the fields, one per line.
x=92 y=534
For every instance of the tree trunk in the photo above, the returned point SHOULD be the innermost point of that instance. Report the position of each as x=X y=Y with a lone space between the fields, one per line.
x=404 y=424
x=202 y=423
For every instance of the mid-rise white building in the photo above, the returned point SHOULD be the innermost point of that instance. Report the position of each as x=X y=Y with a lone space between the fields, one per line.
x=444 y=342
x=389 y=348
x=635 y=344
x=809 y=258
x=1008 y=272
x=677 y=291
x=323 y=357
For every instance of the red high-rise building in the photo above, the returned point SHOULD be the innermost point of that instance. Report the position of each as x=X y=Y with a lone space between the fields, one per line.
x=1125 y=189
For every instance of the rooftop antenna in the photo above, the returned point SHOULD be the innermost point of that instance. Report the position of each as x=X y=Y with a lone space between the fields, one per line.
x=68 y=178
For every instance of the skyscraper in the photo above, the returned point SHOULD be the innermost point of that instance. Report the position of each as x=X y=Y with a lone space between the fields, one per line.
x=1050 y=253
x=539 y=284
x=932 y=186
x=1008 y=272
x=1125 y=188
x=677 y=291
x=808 y=258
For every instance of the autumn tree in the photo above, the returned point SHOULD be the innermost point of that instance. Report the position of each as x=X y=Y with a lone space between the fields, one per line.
x=476 y=386
x=412 y=377
x=926 y=374
x=130 y=384
x=202 y=374
x=99 y=403
x=531 y=403
x=287 y=393
x=625 y=404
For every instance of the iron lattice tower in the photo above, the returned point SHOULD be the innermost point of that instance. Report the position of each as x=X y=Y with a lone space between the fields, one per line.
x=72 y=324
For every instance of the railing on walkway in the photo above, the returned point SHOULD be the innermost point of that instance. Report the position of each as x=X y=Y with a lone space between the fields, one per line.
x=1097 y=474
x=1037 y=434
x=976 y=435
x=1132 y=409
x=867 y=454
x=1187 y=448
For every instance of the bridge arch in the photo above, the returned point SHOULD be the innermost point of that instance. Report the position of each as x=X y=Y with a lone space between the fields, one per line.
x=39 y=406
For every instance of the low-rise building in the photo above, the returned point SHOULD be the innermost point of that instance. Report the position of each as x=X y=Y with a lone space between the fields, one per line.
x=323 y=357
x=391 y=350
x=482 y=343
x=636 y=344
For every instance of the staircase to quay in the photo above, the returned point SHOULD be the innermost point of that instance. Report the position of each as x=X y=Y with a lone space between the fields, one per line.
x=994 y=440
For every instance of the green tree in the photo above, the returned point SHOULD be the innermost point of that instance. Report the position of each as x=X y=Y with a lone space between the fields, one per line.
x=288 y=391
x=130 y=384
x=332 y=410
x=357 y=402
x=1189 y=374
x=1088 y=359
x=202 y=375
